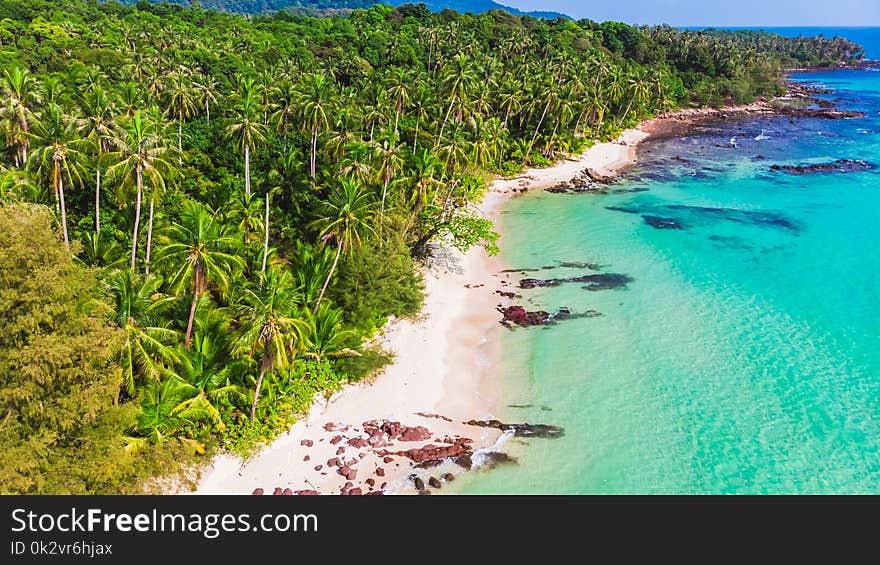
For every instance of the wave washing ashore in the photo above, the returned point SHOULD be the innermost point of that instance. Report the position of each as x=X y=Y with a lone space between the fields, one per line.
x=371 y=436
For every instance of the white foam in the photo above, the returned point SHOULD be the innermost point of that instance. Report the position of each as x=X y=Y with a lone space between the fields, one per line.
x=762 y=136
x=480 y=456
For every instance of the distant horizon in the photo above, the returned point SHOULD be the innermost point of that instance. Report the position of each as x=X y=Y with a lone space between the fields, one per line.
x=808 y=13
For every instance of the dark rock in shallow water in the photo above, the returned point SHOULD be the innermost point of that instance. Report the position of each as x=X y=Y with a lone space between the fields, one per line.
x=824 y=113
x=464 y=460
x=661 y=223
x=602 y=281
x=838 y=166
x=623 y=209
x=754 y=217
x=428 y=464
x=521 y=430
x=434 y=482
x=521 y=317
x=492 y=459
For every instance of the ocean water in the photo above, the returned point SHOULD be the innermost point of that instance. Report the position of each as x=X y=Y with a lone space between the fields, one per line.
x=743 y=357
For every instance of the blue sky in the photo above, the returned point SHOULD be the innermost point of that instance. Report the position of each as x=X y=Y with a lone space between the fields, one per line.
x=716 y=12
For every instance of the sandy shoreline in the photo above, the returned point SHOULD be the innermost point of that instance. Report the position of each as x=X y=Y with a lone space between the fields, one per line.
x=446 y=371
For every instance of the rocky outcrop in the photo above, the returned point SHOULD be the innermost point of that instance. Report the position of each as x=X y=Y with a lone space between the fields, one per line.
x=521 y=430
x=601 y=281
x=838 y=166
x=432 y=452
x=519 y=316
x=661 y=223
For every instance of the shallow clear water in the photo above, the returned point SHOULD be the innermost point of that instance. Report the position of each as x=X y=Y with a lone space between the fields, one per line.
x=744 y=356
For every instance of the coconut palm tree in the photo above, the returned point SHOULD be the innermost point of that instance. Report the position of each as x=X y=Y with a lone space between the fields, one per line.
x=181 y=102
x=388 y=155
x=22 y=93
x=197 y=251
x=140 y=158
x=99 y=126
x=146 y=348
x=268 y=325
x=245 y=128
x=345 y=216
x=315 y=100
x=59 y=154
x=206 y=93
x=327 y=338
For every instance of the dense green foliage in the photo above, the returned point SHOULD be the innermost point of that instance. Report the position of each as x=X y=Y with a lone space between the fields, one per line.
x=331 y=7
x=251 y=196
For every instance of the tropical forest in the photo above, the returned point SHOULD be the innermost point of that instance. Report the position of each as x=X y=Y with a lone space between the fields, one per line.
x=207 y=218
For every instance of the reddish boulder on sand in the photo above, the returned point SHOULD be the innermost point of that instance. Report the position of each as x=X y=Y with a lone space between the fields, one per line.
x=448 y=477
x=348 y=472
x=307 y=493
x=355 y=492
x=433 y=453
x=307 y=442
x=329 y=427
x=371 y=481
x=336 y=439
x=418 y=433
x=257 y=491
x=319 y=467
x=335 y=462
x=380 y=472
x=287 y=492
x=277 y=491
x=357 y=442
x=383 y=485
x=388 y=459
x=306 y=458
x=340 y=451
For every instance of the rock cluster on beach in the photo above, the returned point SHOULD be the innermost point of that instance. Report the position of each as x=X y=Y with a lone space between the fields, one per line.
x=371 y=447
x=586 y=181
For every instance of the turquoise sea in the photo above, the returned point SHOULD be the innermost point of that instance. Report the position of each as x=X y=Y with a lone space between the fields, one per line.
x=744 y=354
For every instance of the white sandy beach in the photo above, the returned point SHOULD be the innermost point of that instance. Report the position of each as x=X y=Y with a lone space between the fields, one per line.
x=446 y=363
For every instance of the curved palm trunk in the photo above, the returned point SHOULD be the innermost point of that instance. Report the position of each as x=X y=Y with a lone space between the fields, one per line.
x=330 y=274
x=149 y=236
x=197 y=280
x=442 y=127
x=180 y=142
x=137 y=215
x=416 y=136
x=537 y=129
x=98 y=199
x=63 y=211
x=266 y=235
x=628 y=106
x=382 y=209
x=208 y=110
x=314 y=150
x=247 y=170
x=264 y=366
